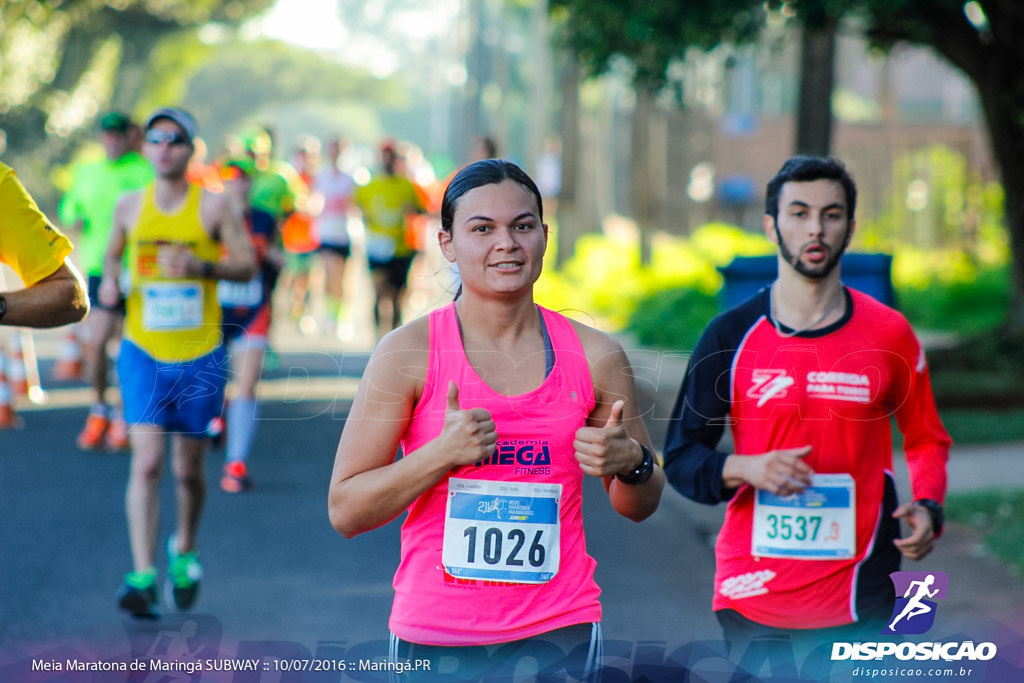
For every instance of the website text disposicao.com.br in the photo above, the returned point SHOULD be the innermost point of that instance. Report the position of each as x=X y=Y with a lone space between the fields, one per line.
x=912 y=673
x=951 y=659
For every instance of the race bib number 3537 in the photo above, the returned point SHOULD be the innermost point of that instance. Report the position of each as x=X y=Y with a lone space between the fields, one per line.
x=502 y=531
x=816 y=524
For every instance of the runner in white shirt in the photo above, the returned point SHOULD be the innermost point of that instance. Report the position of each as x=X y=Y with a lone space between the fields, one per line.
x=333 y=188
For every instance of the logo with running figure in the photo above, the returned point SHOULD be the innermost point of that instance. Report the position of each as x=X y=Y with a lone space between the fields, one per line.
x=914 y=612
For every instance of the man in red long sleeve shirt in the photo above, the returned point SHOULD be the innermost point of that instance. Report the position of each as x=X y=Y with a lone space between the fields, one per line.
x=807 y=374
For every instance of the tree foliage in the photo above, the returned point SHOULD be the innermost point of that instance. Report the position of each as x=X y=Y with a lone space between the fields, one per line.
x=60 y=63
x=241 y=80
x=654 y=33
x=63 y=63
x=980 y=37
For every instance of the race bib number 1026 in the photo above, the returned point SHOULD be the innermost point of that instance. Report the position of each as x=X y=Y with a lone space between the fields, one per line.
x=502 y=531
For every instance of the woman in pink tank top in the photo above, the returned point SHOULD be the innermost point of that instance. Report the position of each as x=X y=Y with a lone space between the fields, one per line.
x=500 y=408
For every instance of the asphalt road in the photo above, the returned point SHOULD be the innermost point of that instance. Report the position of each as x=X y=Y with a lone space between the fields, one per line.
x=281 y=585
x=279 y=580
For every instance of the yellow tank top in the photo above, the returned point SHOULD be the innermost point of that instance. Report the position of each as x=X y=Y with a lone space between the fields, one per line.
x=172 y=319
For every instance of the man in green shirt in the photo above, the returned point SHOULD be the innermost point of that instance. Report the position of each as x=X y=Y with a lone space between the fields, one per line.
x=88 y=207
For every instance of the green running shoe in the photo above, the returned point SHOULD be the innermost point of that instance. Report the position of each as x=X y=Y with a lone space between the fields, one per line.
x=184 y=574
x=138 y=596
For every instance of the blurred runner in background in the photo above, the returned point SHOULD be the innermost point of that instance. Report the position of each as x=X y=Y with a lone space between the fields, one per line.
x=385 y=202
x=170 y=237
x=88 y=207
x=332 y=194
x=245 y=311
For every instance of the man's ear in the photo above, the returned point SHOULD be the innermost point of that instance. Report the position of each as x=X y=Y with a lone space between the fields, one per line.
x=769 y=229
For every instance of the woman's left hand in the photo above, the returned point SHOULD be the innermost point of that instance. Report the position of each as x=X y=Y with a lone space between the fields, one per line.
x=609 y=450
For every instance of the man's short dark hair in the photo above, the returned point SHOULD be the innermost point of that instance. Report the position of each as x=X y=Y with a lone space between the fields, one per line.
x=805 y=169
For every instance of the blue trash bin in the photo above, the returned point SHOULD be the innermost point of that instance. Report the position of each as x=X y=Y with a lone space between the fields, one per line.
x=745 y=275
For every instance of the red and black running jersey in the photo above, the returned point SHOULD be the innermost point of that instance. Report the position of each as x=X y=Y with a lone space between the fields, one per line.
x=835 y=389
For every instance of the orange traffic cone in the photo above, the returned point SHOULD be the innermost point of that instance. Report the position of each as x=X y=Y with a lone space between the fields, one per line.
x=8 y=418
x=17 y=378
x=69 y=358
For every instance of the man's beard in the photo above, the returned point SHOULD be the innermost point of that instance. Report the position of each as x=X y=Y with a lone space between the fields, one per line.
x=812 y=272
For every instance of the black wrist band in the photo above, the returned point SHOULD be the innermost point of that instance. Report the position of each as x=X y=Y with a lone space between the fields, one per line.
x=643 y=471
x=3 y=306
x=934 y=509
x=207 y=270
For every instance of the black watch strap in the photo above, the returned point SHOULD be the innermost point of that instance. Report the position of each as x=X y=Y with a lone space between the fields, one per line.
x=3 y=306
x=934 y=509
x=643 y=471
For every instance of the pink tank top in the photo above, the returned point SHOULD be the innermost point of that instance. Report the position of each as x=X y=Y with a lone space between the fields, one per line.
x=464 y=587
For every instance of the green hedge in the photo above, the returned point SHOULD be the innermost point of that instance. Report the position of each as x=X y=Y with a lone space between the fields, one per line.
x=1000 y=513
x=673 y=318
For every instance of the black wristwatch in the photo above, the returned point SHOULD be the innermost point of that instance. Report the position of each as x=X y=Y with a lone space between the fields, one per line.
x=3 y=306
x=934 y=509
x=643 y=471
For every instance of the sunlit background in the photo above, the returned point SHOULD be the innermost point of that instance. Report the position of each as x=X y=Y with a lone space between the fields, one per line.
x=645 y=140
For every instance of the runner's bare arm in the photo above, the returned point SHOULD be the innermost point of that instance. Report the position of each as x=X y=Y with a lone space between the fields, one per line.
x=369 y=487
x=57 y=299
x=125 y=213
x=610 y=444
x=226 y=225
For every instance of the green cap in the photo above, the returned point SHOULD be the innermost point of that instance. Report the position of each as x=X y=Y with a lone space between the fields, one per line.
x=115 y=121
x=255 y=140
x=244 y=164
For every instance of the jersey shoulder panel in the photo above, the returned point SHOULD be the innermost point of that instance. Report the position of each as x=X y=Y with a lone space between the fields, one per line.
x=727 y=330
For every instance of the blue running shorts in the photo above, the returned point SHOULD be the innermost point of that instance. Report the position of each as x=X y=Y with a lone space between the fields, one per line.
x=180 y=397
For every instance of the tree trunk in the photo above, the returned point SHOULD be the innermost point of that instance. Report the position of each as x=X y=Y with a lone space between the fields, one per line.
x=568 y=195
x=538 y=120
x=472 y=125
x=1006 y=130
x=994 y=67
x=817 y=76
x=640 y=170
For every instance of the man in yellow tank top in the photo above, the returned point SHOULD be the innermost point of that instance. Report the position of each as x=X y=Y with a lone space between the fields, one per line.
x=179 y=240
x=386 y=201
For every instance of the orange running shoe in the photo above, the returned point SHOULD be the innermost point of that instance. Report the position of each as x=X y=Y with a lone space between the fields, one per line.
x=236 y=477
x=92 y=436
x=117 y=436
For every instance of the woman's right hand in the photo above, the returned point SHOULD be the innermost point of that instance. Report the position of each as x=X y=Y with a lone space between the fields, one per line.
x=469 y=436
